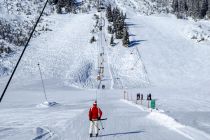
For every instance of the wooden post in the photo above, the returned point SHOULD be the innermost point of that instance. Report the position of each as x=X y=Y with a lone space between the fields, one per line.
x=127 y=96
x=131 y=98
x=142 y=98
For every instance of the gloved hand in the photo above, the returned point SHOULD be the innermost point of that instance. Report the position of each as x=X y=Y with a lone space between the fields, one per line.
x=99 y=118
x=90 y=119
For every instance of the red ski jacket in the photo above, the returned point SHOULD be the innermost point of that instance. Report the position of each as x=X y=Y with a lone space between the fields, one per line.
x=95 y=113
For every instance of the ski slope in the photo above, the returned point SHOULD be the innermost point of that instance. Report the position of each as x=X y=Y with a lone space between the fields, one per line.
x=182 y=63
x=161 y=61
x=68 y=119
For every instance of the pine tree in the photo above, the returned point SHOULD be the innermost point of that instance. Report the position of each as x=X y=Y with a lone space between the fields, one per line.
x=109 y=13
x=204 y=8
x=92 y=39
x=126 y=40
x=119 y=27
x=53 y=1
x=58 y=9
x=112 y=40
x=73 y=6
x=68 y=6
x=125 y=16
x=110 y=30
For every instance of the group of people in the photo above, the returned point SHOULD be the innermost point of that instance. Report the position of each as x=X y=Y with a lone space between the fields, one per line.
x=141 y=96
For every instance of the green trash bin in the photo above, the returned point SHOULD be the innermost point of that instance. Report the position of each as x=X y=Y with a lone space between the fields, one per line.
x=153 y=104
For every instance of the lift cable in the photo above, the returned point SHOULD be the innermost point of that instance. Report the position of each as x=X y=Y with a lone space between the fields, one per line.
x=31 y=34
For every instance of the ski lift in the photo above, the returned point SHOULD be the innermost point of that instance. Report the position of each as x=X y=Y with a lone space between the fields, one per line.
x=98 y=77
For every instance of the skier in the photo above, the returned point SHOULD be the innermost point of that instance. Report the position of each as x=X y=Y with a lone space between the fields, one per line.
x=95 y=114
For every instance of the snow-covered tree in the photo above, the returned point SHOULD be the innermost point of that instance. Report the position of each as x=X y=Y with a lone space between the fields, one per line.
x=109 y=13
x=195 y=8
x=110 y=30
x=126 y=40
x=92 y=39
x=68 y=5
x=112 y=40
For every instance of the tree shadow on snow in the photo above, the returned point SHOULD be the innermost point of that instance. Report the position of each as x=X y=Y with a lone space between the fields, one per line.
x=130 y=24
x=121 y=133
x=132 y=35
x=133 y=25
x=135 y=42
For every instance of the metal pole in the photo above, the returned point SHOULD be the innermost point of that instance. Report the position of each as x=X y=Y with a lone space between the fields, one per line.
x=45 y=95
x=135 y=63
x=101 y=124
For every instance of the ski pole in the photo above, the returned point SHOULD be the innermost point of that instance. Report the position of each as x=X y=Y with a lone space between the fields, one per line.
x=45 y=95
x=101 y=124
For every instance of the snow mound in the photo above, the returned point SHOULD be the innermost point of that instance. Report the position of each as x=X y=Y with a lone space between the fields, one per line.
x=81 y=75
x=132 y=104
x=186 y=131
x=169 y=122
x=47 y=104
x=3 y=70
x=198 y=32
x=164 y=120
x=42 y=133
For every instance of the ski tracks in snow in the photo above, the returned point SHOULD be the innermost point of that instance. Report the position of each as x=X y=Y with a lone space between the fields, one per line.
x=170 y=123
x=124 y=122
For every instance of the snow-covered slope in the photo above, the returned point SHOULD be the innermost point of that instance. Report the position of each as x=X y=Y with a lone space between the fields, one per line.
x=16 y=21
x=178 y=67
x=170 y=58
x=146 y=7
x=29 y=119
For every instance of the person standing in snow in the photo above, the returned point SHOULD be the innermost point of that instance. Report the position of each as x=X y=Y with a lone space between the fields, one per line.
x=95 y=114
